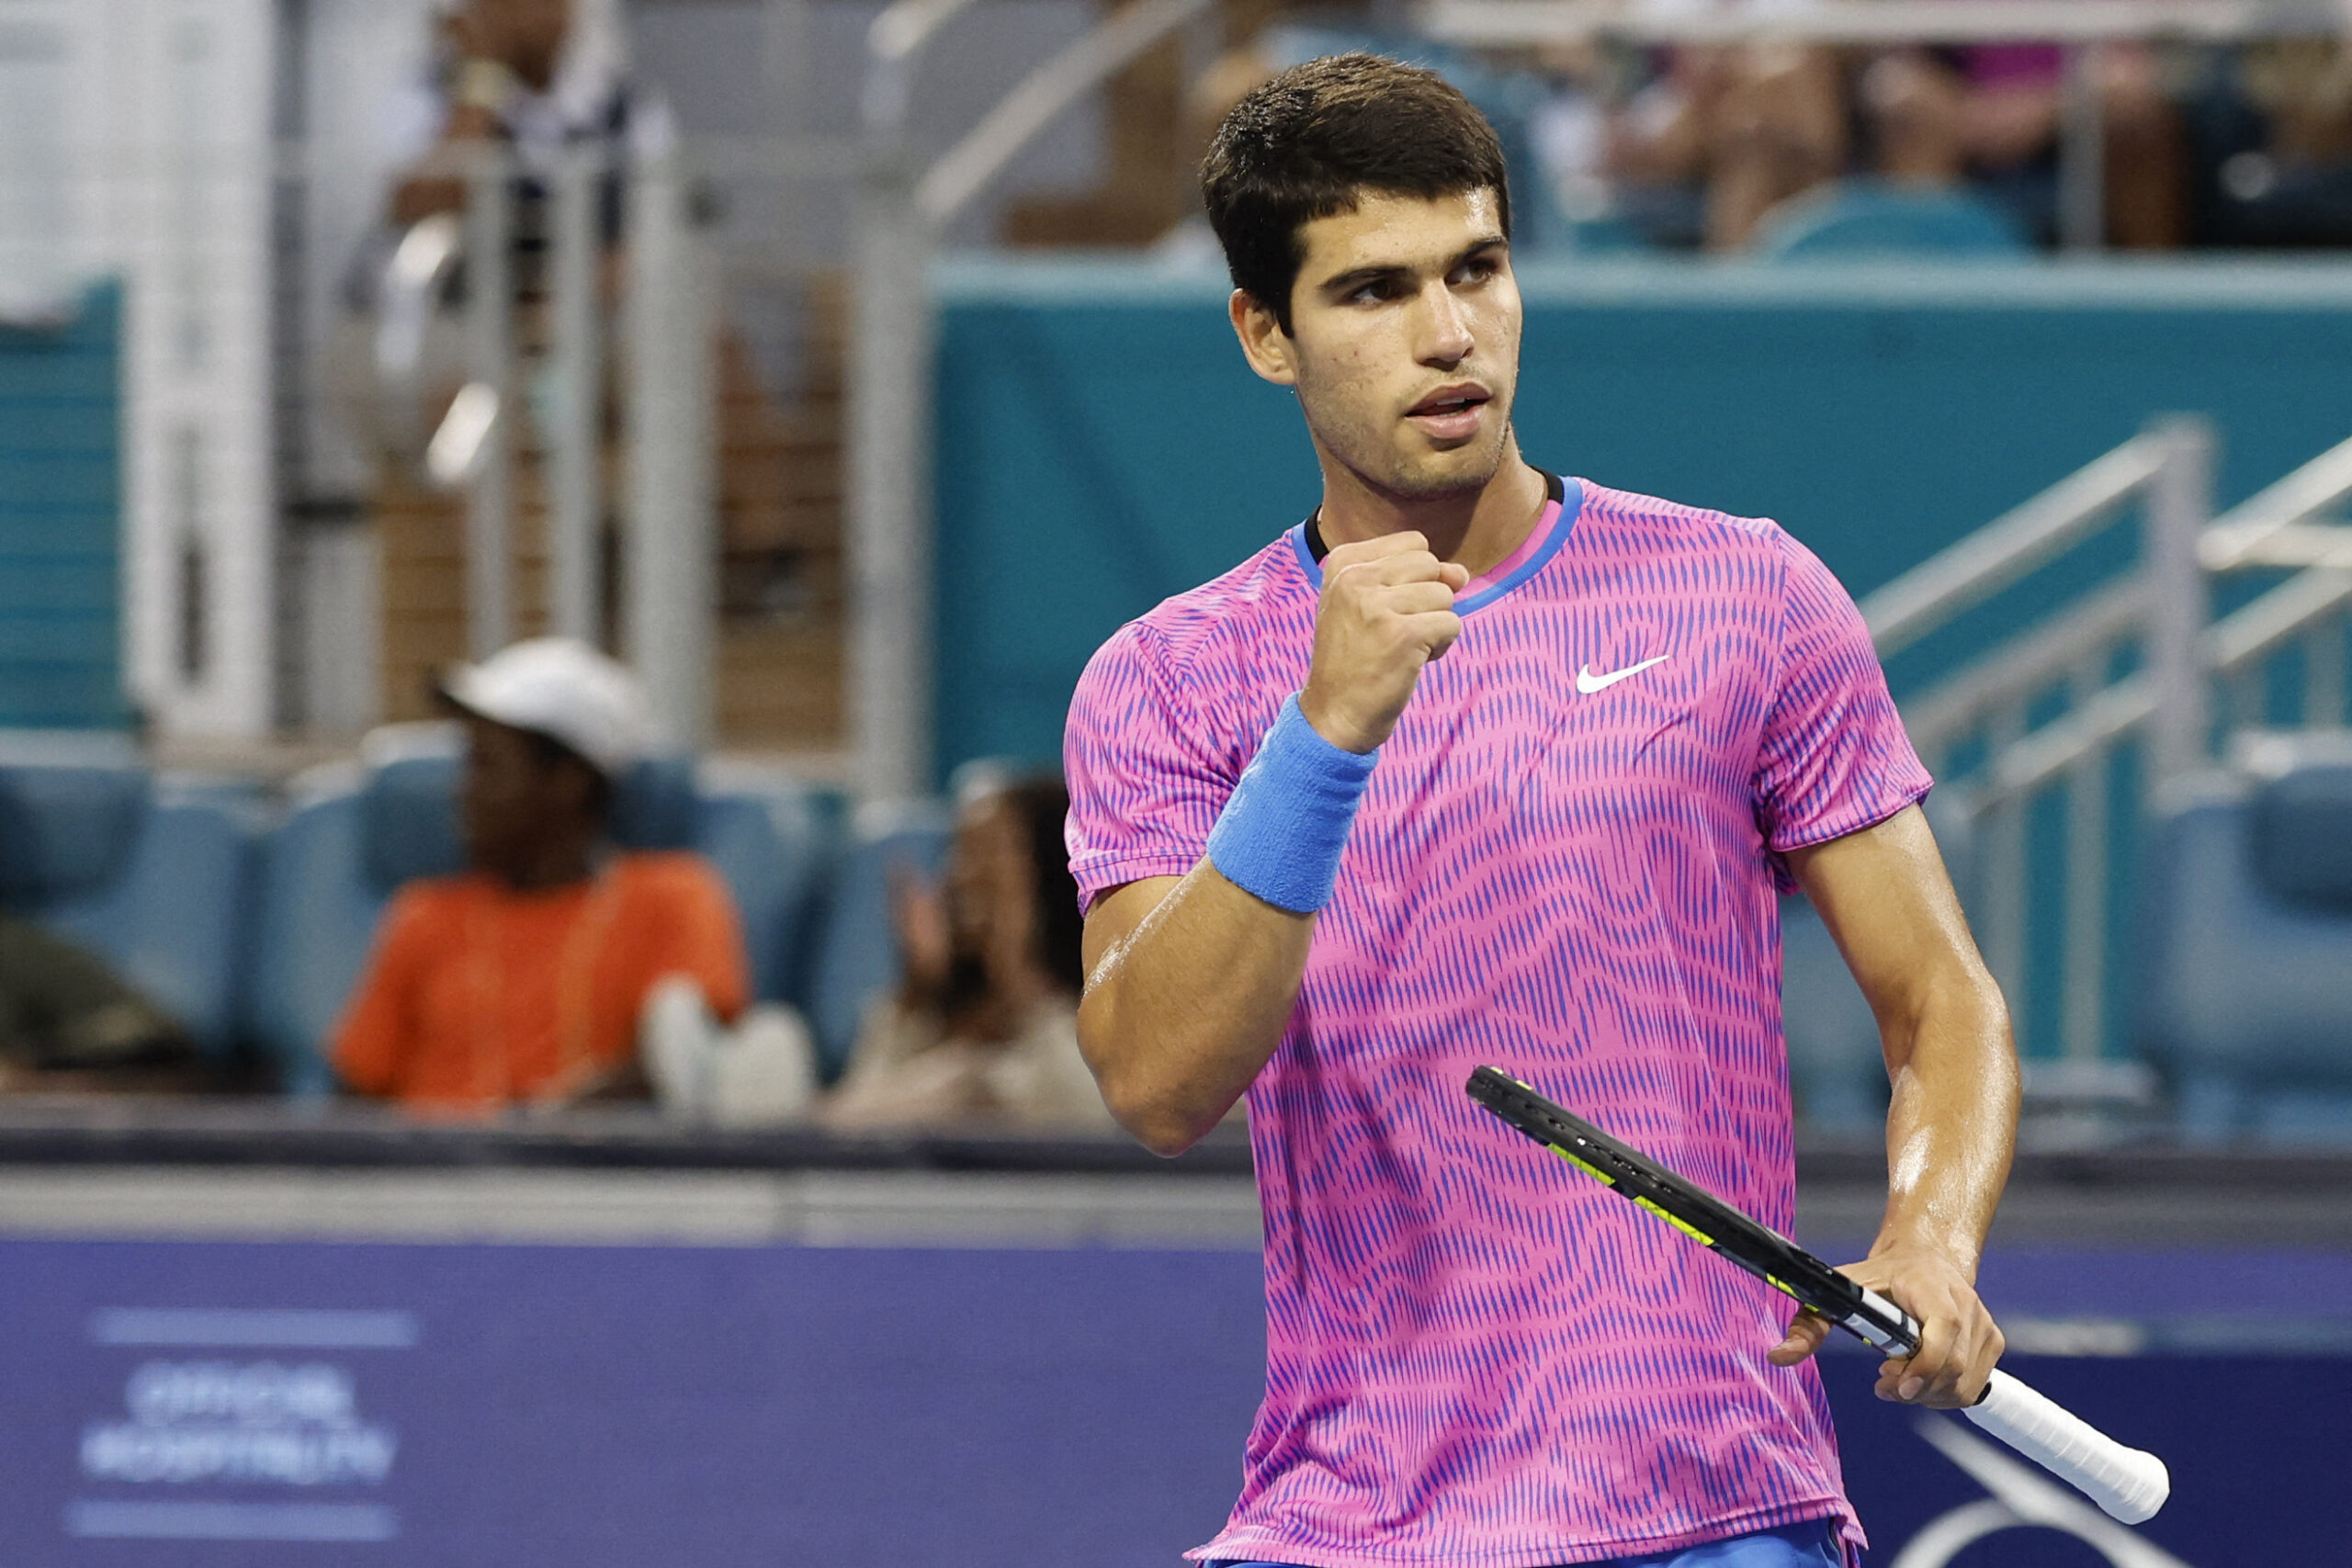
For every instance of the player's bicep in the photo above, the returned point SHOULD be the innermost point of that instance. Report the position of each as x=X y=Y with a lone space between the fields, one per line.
x=1886 y=898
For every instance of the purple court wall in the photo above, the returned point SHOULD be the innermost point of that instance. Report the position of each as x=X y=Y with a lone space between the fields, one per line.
x=183 y=1404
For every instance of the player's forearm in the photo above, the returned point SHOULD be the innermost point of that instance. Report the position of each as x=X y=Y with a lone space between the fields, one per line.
x=1952 y=1125
x=1181 y=1013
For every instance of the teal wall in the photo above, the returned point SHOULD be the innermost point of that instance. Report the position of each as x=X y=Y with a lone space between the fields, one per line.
x=61 y=511
x=1101 y=445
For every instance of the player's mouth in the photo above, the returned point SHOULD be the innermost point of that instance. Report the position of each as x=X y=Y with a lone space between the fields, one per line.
x=1451 y=413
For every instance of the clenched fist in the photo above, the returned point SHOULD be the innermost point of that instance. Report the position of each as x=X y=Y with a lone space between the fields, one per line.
x=1388 y=610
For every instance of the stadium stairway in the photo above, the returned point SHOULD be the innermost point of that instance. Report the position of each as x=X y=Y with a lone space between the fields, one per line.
x=2140 y=910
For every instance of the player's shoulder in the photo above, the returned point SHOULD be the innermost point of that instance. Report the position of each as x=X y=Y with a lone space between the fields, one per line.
x=1657 y=518
x=1752 y=560
x=1192 y=635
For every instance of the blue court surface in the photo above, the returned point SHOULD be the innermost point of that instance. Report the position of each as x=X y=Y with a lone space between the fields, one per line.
x=215 y=1403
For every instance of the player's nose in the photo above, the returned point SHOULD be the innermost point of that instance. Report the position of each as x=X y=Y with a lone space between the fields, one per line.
x=1443 y=328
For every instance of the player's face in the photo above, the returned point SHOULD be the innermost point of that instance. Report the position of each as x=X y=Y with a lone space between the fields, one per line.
x=1404 y=342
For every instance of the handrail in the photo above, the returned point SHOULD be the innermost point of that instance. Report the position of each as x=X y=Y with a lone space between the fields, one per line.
x=2006 y=548
x=2245 y=535
x=1043 y=94
x=1492 y=24
x=2239 y=534
x=2254 y=630
x=2098 y=722
x=2230 y=644
x=1950 y=708
x=2303 y=545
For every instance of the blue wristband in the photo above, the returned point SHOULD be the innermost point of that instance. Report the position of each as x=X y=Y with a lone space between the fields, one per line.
x=1282 y=832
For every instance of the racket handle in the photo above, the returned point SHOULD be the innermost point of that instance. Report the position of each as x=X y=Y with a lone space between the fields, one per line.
x=2129 y=1483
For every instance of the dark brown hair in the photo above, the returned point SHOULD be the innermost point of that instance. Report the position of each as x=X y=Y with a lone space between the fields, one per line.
x=1041 y=804
x=1308 y=142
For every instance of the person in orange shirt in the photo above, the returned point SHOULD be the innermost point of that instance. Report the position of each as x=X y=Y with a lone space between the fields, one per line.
x=525 y=979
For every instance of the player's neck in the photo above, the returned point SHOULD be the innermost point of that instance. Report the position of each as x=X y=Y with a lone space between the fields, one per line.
x=1480 y=529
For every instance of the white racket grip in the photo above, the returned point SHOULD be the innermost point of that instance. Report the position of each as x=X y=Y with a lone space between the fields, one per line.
x=2129 y=1483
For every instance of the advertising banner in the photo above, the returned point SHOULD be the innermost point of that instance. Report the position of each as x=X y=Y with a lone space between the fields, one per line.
x=203 y=1404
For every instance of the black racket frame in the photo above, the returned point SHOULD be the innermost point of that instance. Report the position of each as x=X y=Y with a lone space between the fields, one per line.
x=1698 y=1213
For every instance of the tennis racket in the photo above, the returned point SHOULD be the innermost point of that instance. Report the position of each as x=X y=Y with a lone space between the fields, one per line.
x=2129 y=1484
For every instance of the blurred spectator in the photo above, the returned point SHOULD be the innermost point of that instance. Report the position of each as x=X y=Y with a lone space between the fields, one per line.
x=68 y=1021
x=1991 y=114
x=2273 y=129
x=1752 y=126
x=538 y=75
x=525 y=979
x=1719 y=137
x=985 y=1023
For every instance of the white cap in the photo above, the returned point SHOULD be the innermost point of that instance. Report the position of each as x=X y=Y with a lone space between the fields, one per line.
x=564 y=689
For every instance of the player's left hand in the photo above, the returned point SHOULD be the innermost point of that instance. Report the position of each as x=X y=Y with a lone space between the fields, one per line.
x=1958 y=1341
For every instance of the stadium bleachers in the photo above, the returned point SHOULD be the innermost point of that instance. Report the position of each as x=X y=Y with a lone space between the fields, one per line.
x=1861 y=218
x=253 y=932
x=355 y=834
x=152 y=874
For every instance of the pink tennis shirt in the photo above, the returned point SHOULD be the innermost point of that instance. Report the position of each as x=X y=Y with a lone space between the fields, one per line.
x=1564 y=865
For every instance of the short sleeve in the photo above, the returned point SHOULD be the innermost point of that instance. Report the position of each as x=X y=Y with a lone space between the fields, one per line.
x=1147 y=778
x=1834 y=758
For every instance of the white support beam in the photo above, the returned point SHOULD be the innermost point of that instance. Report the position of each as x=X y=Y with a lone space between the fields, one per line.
x=670 y=632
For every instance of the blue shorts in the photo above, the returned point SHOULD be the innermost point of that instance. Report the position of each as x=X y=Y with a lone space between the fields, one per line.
x=1813 y=1544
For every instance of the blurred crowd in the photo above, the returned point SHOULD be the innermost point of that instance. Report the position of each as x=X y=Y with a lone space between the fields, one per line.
x=1619 y=147
x=556 y=967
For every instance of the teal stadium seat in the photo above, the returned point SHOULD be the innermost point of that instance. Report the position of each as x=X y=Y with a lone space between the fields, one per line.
x=1858 y=219
x=857 y=958
x=357 y=834
x=2245 y=962
x=151 y=874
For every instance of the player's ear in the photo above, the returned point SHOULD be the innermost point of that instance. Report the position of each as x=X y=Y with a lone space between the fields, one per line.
x=1263 y=341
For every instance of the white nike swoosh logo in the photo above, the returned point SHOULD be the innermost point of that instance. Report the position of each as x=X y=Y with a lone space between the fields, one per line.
x=1587 y=682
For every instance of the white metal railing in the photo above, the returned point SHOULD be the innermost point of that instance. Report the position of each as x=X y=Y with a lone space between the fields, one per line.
x=2168 y=471
x=2135 y=662
x=901 y=212
x=2007 y=549
x=2279 y=527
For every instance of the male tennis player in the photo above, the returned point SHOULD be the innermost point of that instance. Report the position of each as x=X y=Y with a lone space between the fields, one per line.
x=1478 y=765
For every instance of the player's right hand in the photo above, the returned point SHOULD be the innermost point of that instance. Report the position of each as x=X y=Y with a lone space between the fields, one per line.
x=1388 y=610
